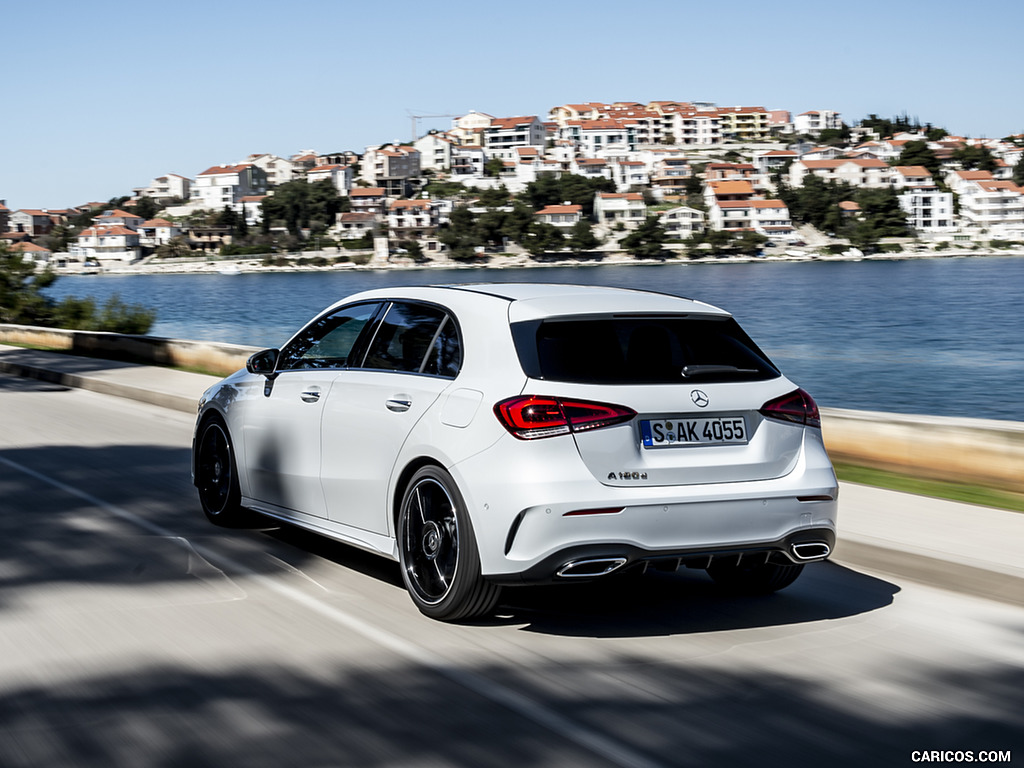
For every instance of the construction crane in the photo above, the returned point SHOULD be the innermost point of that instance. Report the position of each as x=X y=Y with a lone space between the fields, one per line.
x=415 y=118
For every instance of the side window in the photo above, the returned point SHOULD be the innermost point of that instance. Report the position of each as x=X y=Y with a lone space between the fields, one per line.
x=415 y=338
x=327 y=342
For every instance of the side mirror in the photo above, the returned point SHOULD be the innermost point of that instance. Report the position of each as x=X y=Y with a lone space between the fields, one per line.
x=263 y=362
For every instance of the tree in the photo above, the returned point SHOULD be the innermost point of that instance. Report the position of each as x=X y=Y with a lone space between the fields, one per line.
x=494 y=198
x=145 y=207
x=646 y=241
x=571 y=187
x=459 y=235
x=1018 y=172
x=22 y=301
x=542 y=237
x=298 y=204
x=581 y=237
x=975 y=158
x=494 y=167
x=918 y=153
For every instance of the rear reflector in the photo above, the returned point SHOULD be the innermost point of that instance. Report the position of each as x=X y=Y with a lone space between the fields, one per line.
x=529 y=417
x=603 y=511
x=797 y=407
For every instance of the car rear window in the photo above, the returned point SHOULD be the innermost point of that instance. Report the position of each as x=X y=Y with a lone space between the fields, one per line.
x=640 y=350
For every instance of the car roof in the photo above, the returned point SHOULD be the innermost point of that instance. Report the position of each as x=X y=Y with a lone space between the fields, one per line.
x=532 y=301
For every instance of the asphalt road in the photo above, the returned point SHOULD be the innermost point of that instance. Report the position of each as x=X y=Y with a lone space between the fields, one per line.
x=132 y=633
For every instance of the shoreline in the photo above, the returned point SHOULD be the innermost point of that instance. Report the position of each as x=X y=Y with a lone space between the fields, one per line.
x=249 y=265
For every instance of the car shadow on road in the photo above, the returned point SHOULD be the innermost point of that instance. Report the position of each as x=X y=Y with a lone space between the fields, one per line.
x=687 y=602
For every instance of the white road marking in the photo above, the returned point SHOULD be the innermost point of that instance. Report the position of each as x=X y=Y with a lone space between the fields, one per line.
x=522 y=705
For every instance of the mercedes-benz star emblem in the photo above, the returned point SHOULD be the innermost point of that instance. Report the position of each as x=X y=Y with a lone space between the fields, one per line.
x=699 y=398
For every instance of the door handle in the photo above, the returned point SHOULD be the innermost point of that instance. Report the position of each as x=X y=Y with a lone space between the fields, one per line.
x=399 y=403
x=310 y=396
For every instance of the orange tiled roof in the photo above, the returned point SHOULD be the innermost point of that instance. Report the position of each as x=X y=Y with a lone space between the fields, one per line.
x=551 y=209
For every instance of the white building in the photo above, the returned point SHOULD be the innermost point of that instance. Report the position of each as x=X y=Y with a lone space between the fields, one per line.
x=226 y=185
x=997 y=206
x=435 y=151
x=166 y=187
x=816 y=121
x=339 y=175
x=627 y=208
x=564 y=216
x=504 y=134
x=858 y=172
x=156 y=232
x=682 y=222
x=392 y=167
x=469 y=129
x=279 y=170
x=767 y=217
x=106 y=243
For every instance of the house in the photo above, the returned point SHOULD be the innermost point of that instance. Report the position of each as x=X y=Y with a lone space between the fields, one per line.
x=392 y=167
x=435 y=151
x=340 y=176
x=32 y=221
x=101 y=243
x=355 y=225
x=858 y=172
x=927 y=209
x=413 y=219
x=627 y=208
x=4 y=215
x=225 y=185
x=682 y=222
x=628 y=174
x=368 y=200
x=468 y=160
x=959 y=180
x=815 y=121
x=32 y=252
x=727 y=191
x=593 y=137
x=774 y=160
x=469 y=129
x=252 y=208
x=118 y=217
x=564 y=216
x=744 y=123
x=692 y=127
x=994 y=205
x=729 y=171
x=591 y=168
x=156 y=232
x=278 y=170
x=504 y=134
x=669 y=172
x=166 y=188
x=766 y=217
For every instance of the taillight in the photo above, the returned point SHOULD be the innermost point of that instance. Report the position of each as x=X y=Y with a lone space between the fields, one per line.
x=797 y=407
x=529 y=417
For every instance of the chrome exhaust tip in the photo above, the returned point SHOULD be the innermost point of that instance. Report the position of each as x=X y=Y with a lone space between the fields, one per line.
x=811 y=550
x=588 y=568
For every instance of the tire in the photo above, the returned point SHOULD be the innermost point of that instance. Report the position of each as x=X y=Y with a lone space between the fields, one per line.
x=217 y=476
x=438 y=552
x=753 y=579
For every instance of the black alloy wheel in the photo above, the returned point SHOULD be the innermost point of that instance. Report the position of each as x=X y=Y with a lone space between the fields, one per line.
x=438 y=552
x=217 y=475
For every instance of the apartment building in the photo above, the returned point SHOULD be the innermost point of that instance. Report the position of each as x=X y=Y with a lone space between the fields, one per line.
x=627 y=208
x=504 y=134
x=340 y=177
x=226 y=185
x=744 y=123
x=859 y=172
x=163 y=188
x=392 y=167
x=682 y=222
x=106 y=244
x=767 y=217
x=815 y=121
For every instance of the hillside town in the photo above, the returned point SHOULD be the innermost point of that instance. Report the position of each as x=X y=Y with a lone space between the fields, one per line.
x=666 y=177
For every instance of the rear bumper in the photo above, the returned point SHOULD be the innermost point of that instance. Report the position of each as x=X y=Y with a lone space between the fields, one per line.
x=519 y=501
x=590 y=561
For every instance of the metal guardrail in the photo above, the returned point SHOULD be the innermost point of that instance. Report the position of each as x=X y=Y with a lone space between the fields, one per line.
x=981 y=451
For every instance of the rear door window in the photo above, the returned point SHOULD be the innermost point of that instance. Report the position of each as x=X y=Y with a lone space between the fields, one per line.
x=640 y=350
x=416 y=338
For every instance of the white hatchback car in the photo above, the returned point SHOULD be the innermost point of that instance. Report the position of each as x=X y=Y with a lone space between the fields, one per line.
x=503 y=434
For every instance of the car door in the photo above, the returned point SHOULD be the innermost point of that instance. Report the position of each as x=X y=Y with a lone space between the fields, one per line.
x=282 y=430
x=412 y=358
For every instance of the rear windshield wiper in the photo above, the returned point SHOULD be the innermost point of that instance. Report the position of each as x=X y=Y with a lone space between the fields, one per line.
x=711 y=370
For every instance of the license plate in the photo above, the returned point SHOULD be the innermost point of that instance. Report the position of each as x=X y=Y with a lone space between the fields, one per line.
x=664 y=433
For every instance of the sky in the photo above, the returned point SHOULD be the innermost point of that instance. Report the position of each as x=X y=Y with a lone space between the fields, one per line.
x=103 y=99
